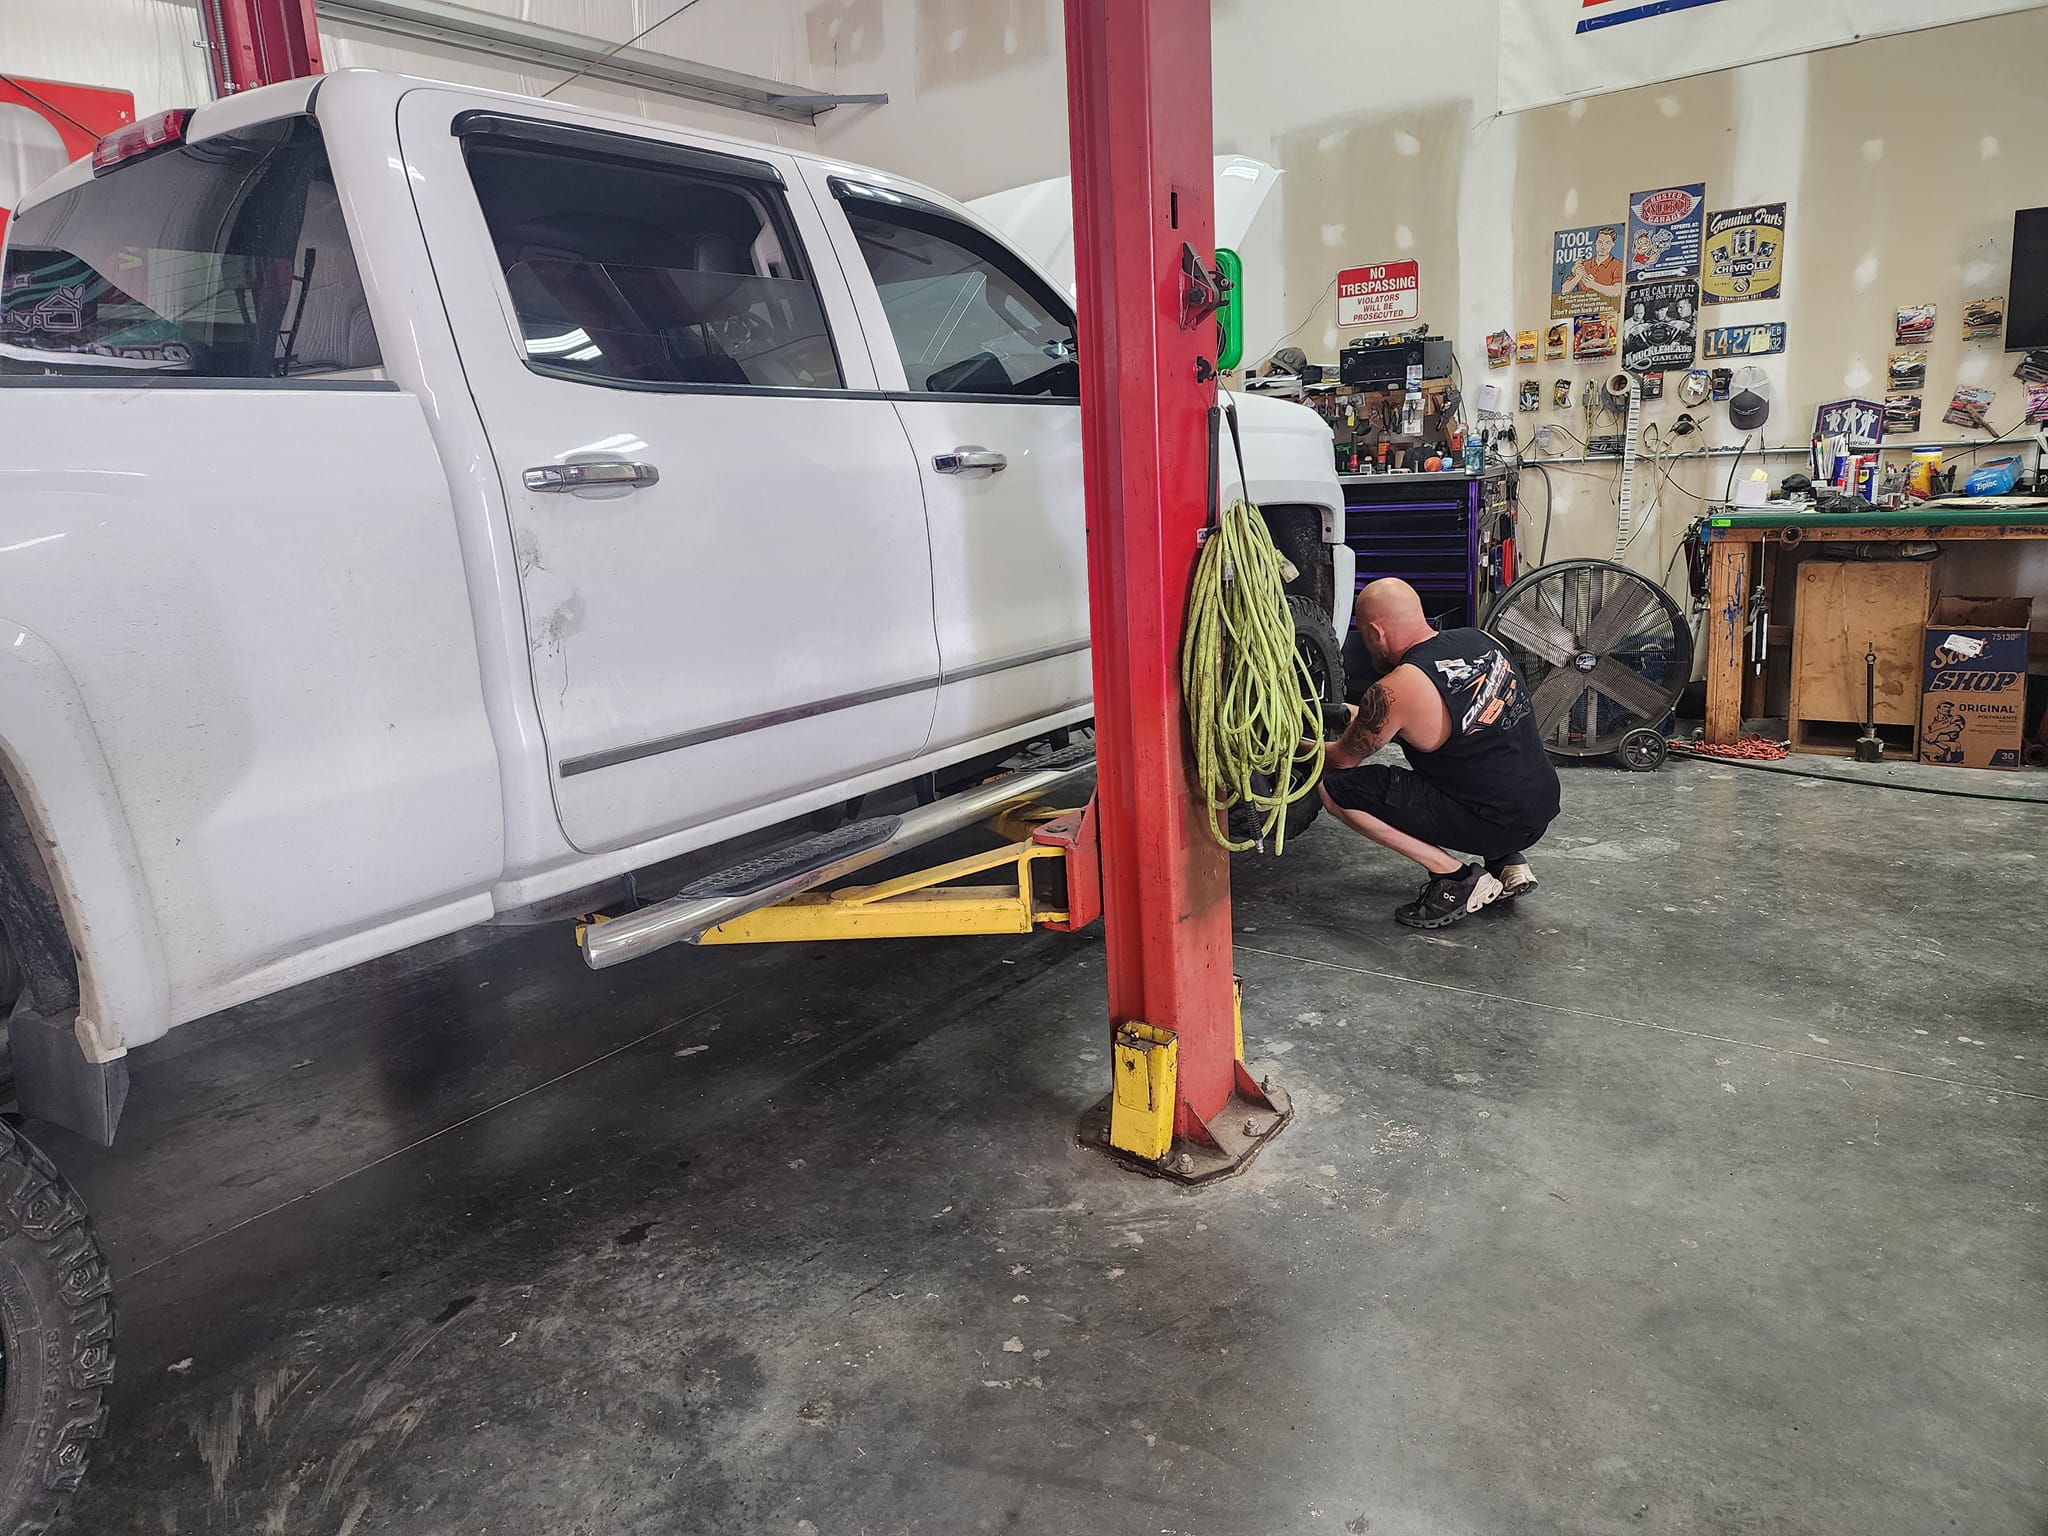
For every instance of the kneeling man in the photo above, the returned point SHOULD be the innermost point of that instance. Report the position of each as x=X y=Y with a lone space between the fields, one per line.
x=1477 y=779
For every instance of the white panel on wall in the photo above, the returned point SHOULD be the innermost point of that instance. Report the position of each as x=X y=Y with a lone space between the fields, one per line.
x=150 y=47
x=143 y=46
x=1556 y=50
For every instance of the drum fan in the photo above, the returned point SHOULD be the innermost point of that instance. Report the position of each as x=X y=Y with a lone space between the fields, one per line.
x=1605 y=654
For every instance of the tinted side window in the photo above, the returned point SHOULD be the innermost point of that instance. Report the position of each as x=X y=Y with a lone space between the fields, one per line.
x=968 y=316
x=622 y=271
x=227 y=258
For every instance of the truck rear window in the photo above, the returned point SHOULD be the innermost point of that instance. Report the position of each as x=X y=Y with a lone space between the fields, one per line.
x=227 y=259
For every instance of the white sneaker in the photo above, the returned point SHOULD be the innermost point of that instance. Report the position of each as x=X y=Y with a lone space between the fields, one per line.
x=1516 y=880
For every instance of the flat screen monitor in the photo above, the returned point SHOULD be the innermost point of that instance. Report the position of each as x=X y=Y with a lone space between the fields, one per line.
x=2026 y=317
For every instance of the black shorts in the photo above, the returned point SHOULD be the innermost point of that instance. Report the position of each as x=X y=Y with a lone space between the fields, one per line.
x=1408 y=802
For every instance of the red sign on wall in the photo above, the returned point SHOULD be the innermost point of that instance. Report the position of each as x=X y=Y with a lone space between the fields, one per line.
x=1379 y=295
x=45 y=125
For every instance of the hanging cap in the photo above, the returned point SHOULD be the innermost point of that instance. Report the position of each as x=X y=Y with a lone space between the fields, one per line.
x=1749 y=407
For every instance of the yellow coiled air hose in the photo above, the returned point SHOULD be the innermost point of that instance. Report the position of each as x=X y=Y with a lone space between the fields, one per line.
x=1252 y=702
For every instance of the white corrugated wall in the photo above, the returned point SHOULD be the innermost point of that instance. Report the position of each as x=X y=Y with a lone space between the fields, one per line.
x=150 y=47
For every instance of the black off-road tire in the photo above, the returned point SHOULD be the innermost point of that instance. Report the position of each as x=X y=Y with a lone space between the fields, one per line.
x=57 y=1327
x=1316 y=639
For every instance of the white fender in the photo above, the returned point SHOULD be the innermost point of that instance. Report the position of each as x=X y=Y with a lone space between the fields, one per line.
x=54 y=763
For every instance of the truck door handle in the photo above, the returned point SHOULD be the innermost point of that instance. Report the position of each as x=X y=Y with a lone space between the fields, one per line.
x=969 y=456
x=592 y=475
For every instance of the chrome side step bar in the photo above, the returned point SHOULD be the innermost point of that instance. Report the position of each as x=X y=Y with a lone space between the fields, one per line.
x=685 y=918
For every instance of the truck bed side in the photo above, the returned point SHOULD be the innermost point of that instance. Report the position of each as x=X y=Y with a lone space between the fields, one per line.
x=253 y=599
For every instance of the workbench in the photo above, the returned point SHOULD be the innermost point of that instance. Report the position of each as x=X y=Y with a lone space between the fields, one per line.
x=1737 y=541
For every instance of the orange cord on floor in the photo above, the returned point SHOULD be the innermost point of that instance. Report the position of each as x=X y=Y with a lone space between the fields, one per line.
x=1754 y=748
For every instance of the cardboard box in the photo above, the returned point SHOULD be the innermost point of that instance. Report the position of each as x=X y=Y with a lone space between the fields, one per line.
x=1973 y=710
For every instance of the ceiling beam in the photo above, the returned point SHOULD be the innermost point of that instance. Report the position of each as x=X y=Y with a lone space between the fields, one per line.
x=525 y=42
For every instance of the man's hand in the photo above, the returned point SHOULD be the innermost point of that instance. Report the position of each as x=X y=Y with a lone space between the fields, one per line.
x=1321 y=743
x=1372 y=726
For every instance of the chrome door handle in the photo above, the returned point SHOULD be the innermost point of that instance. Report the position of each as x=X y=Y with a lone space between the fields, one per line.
x=600 y=473
x=969 y=456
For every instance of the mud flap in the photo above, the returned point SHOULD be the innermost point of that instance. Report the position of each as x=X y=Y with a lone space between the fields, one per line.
x=54 y=1082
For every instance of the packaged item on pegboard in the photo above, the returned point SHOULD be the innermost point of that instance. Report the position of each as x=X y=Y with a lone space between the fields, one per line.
x=1970 y=408
x=1984 y=319
x=1594 y=337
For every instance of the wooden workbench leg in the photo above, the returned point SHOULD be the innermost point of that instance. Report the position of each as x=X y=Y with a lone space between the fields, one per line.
x=1727 y=606
x=1756 y=685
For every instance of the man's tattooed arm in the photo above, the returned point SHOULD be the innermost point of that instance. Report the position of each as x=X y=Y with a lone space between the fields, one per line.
x=1370 y=729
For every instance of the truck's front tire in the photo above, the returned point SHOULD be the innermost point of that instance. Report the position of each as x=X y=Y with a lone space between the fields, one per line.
x=57 y=1333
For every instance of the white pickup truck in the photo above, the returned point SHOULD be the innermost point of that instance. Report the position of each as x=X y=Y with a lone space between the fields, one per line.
x=422 y=506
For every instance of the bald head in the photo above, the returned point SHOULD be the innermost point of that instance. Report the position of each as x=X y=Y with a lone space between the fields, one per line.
x=1390 y=602
x=1390 y=619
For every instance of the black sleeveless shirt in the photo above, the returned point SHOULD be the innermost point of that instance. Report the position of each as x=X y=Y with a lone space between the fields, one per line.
x=1493 y=764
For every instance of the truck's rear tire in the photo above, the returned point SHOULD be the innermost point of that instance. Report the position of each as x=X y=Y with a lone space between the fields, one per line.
x=1316 y=638
x=57 y=1331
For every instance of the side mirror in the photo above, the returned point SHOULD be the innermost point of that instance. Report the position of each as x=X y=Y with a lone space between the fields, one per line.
x=1230 y=314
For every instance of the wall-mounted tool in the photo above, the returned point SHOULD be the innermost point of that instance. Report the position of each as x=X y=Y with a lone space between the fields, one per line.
x=1870 y=746
x=1759 y=619
x=1624 y=391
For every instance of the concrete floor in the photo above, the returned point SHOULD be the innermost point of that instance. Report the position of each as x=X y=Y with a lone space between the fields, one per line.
x=1704 y=1193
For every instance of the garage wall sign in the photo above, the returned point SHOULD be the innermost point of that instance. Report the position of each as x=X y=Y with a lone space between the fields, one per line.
x=1598 y=15
x=1560 y=50
x=1744 y=341
x=1659 y=327
x=1381 y=295
x=1586 y=274
x=1664 y=233
x=1745 y=254
x=45 y=125
x=1860 y=421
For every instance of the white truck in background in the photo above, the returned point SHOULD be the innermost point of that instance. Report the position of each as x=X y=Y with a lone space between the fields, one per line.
x=422 y=507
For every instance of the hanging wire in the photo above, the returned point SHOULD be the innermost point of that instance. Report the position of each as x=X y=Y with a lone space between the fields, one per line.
x=618 y=48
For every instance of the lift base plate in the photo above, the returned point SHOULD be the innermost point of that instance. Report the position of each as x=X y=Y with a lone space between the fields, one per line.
x=1253 y=1116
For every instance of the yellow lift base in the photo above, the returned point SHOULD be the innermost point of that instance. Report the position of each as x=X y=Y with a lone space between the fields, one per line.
x=1135 y=1121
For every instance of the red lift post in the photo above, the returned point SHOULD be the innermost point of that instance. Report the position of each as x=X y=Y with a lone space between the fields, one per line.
x=259 y=42
x=1141 y=130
